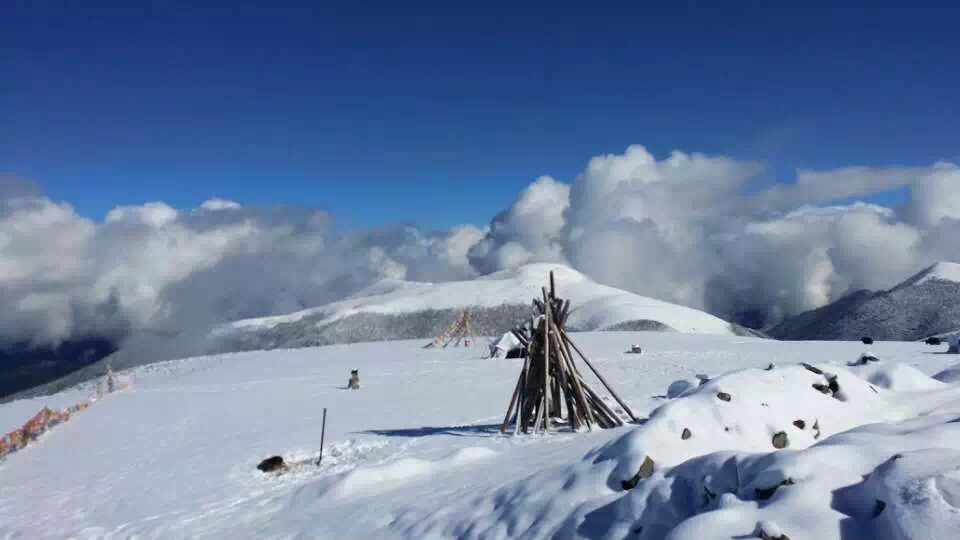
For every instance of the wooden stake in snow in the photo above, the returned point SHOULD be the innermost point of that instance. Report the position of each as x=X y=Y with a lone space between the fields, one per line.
x=323 y=431
x=550 y=388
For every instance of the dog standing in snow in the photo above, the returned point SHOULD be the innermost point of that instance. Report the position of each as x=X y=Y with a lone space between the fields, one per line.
x=354 y=382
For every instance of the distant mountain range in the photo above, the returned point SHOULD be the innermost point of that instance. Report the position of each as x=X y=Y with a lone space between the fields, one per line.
x=924 y=305
x=396 y=310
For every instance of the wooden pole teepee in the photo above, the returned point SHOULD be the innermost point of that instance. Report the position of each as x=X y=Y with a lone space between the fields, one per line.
x=551 y=386
x=460 y=331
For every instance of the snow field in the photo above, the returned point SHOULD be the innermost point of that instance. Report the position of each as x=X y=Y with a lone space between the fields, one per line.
x=416 y=452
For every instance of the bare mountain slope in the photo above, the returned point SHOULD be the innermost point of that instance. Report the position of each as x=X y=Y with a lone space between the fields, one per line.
x=926 y=304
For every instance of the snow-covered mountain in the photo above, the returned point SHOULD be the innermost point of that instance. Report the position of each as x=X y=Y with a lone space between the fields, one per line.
x=497 y=301
x=926 y=304
x=394 y=310
x=416 y=452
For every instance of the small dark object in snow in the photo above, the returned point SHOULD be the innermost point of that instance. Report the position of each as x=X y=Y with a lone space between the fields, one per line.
x=878 y=508
x=271 y=464
x=874 y=389
x=704 y=379
x=764 y=536
x=765 y=493
x=780 y=441
x=896 y=457
x=816 y=429
x=832 y=384
x=934 y=341
x=867 y=340
x=686 y=434
x=726 y=429
x=770 y=367
x=638 y=530
x=764 y=404
x=800 y=424
x=723 y=396
x=824 y=389
x=812 y=369
x=864 y=359
x=634 y=349
x=646 y=470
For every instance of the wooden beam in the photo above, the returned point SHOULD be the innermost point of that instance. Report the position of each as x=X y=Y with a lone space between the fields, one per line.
x=546 y=363
x=577 y=387
x=513 y=400
x=599 y=376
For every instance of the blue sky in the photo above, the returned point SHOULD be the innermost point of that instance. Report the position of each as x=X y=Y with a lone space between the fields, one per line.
x=438 y=113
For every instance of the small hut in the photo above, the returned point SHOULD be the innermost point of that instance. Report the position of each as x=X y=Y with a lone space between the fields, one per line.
x=551 y=388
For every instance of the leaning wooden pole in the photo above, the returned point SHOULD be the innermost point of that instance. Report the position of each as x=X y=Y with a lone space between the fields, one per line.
x=546 y=362
x=603 y=381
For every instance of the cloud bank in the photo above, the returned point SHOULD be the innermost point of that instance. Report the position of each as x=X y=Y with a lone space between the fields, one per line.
x=686 y=228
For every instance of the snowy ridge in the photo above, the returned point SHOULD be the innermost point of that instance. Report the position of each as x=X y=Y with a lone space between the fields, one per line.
x=595 y=306
x=940 y=271
x=924 y=305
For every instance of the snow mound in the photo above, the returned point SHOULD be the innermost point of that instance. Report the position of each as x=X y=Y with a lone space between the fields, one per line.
x=750 y=450
x=917 y=494
x=950 y=375
x=374 y=479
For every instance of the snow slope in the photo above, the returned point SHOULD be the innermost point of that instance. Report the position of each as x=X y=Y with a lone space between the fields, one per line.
x=926 y=304
x=399 y=310
x=416 y=452
x=595 y=306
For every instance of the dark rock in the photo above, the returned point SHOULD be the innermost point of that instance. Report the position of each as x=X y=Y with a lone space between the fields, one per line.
x=816 y=429
x=866 y=340
x=780 y=441
x=770 y=367
x=765 y=493
x=800 y=424
x=686 y=434
x=832 y=384
x=638 y=530
x=723 y=396
x=812 y=369
x=822 y=388
x=646 y=470
x=878 y=508
x=934 y=341
x=272 y=464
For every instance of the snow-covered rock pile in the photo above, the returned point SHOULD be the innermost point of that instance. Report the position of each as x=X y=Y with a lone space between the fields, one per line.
x=788 y=452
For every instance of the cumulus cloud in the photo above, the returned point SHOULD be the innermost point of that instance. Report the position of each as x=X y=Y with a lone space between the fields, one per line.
x=685 y=228
x=156 y=269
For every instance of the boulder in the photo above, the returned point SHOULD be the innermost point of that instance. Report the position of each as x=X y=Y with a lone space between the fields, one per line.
x=272 y=464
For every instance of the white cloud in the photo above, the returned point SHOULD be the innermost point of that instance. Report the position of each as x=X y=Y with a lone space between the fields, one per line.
x=220 y=204
x=683 y=229
x=687 y=229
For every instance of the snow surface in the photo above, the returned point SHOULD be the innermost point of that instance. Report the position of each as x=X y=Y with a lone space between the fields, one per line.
x=941 y=271
x=596 y=306
x=416 y=452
